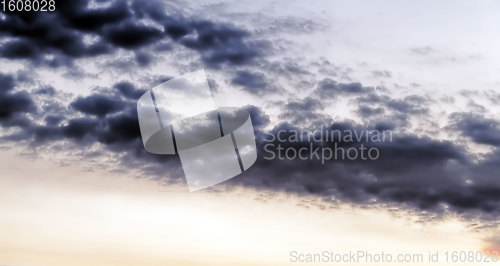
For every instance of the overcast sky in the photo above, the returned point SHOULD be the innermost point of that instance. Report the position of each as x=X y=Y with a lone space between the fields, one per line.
x=427 y=71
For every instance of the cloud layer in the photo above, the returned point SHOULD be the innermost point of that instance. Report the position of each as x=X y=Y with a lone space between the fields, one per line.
x=419 y=171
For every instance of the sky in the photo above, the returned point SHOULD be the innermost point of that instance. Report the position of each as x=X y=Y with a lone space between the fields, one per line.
x=78 y=187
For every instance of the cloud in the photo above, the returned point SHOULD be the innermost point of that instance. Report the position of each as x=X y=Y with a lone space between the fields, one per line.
x=57 y=38
x=304 y=112
x=143 y=59
x=128 y=90
x=377 y=107
x=106 y=121
x=12 y=103
x=329 y=88
x=131 y=35
x=220 y=43
x=410 y=104
x=416 y=171
x=46 y=90
x=367 y=111
x=99 y=105
x=253 y=82
x=53 y=120
x=78 y=128
x=7 y=83
x=478 y=128
x=19 y=49
x=80 y=17
x=419 y=172
x=259 y=118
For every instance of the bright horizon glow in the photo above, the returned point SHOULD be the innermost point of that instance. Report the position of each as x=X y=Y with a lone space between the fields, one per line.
x=69 y=216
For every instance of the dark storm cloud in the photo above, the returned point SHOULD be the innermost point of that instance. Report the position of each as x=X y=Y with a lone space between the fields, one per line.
x=304 y=112
x=416 y=171
x=419 y=172
x=19 y=49
x=60 y=34
x=121 y=128
x=259 y=118
x=106 y=114
x=219 y=43
x=254 y=82
x=53 y=120
x=128 y=90
x=478 y=128
x=108 y=118
x=376 y=107
x=77 y=14
x=412 y=104
x=99 y=105
x=78 y=128
x=116 y=131
x=7 y=82
x=412 y=170
x=130 y=35
x=329 y=88
x=384 y=125
x=12 y=103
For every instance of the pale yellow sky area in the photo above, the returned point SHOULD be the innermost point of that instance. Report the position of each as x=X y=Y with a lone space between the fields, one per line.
x=53 y=215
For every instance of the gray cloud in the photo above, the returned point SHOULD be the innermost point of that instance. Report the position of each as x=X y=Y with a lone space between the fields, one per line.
x=97 y=105
x=304 y=112
x=60 y=34
x=13 y=103
x=478 y=128
x=420 y=172
x=253 y=82
x=329 y=88
x=412 y=170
